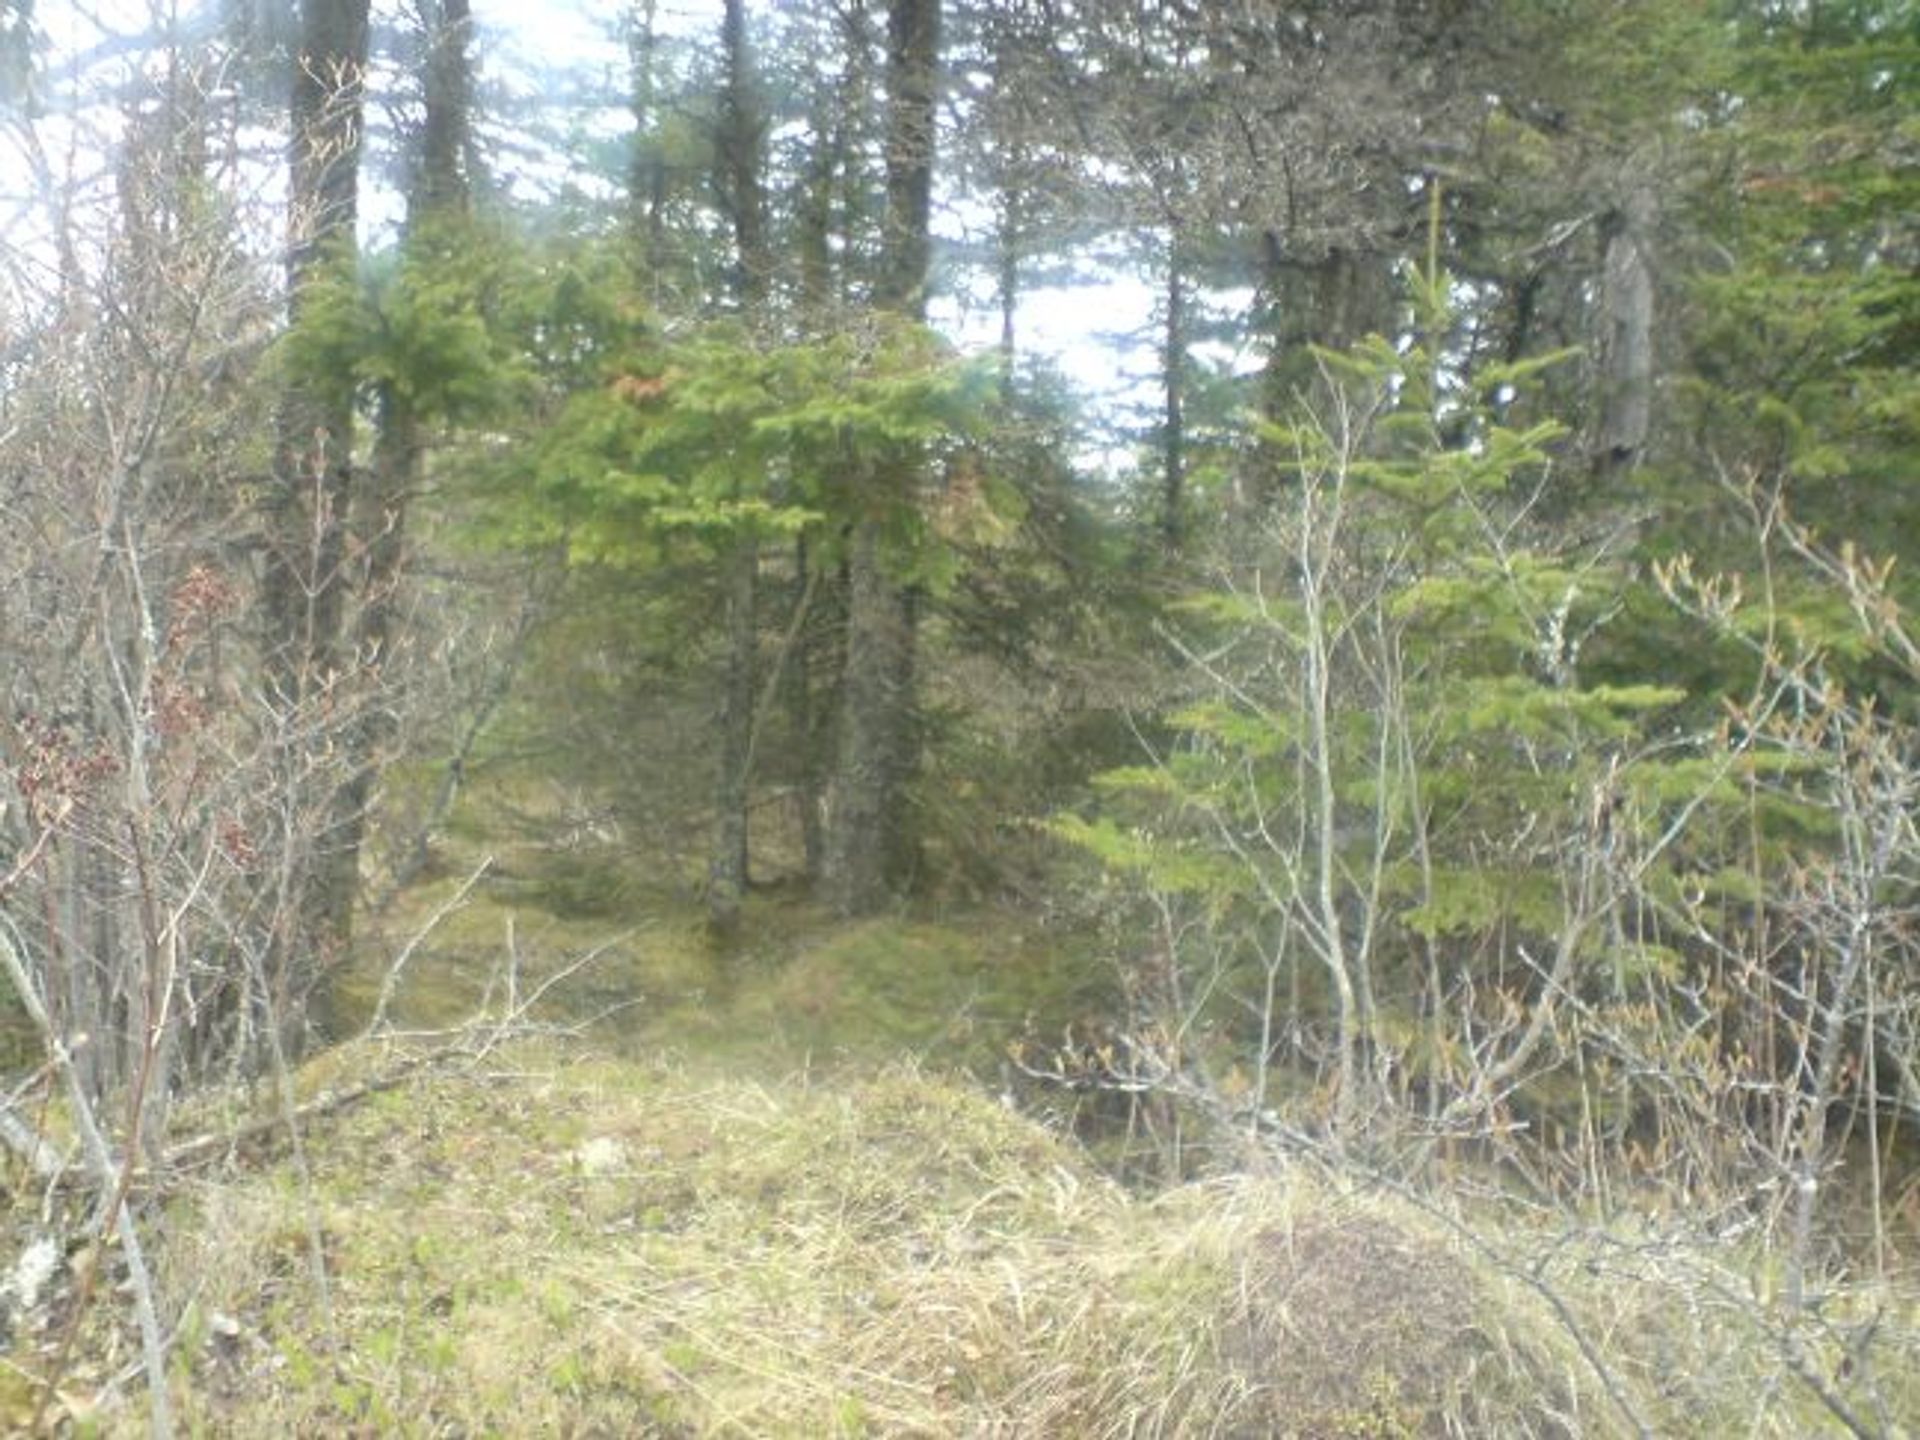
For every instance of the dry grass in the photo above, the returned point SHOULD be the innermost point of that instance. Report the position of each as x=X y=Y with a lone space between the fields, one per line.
x=548 y=1243
x=562 y=1246
x=552 y=1242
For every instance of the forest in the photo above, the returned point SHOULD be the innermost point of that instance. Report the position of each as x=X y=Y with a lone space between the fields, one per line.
x=949 y=717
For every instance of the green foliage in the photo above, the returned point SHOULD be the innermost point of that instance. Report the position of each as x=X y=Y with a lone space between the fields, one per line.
x=700 y=439
x=430 y=321
x=1392 y=703
x=1802 y=370
x=1170 y=864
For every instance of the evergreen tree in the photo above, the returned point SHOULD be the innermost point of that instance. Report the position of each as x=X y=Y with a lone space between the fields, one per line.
x=740 y=186
x=1394 y=792
x=867 y=842
x=1802 y=348
x=437 y=214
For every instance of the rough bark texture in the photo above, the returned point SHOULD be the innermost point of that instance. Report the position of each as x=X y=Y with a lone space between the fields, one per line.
x=867 y=847
x=913 y=46
x=742 y=147
x=865 y=833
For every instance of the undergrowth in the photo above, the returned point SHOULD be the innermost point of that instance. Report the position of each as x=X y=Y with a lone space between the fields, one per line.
x=764 y=1192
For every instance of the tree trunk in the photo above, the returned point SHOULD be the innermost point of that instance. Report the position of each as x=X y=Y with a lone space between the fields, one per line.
x=313 y=475
x=865 y=832
x=647 y=173
x=307 y=501
x=1173 y=434
x=727 y=865
x=811 y=683
x=1626 y=337
x=913 y=46
x=443 y=184
x=1329 y=302
x=387 y=486
x=438 y=190
x=809 y=707
x=867 y=843
x=742 y=196
x=1009 y=235
x=741 y=146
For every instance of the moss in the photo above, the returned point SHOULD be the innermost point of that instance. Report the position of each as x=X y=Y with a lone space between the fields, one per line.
x=952 y=994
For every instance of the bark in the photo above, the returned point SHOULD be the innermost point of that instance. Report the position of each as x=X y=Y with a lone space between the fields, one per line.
x=388 y=486
x=865 y=832
x=913 y=42
x=727 y=866
x=815 y=226
x=867 y=845
x=743 y=197
x=1008 y=237
x=1330 y=301
x=443 y=183
x=1626 y=337
x=647 y=176
x=810 y=689
x=303 y=584
x=439 y=189
x=809 y=707
x=741 y=149
x=1173 y=435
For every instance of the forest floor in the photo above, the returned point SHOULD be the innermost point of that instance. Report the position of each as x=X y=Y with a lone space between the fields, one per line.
x=785 y=1192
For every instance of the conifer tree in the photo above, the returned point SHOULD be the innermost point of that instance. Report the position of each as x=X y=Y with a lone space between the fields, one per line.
x=1394 y=787
x=740 y=151
x=867 y=841
x=437 y=204
x=1800 y=364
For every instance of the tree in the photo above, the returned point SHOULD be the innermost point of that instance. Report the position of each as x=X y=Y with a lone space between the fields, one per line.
x=137 y=795
x=1800 y=341
x=304 y=582
x=1569 y=211
x=867 y=840
x=1392 y=767
x=739 y=184
x=437 y=213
